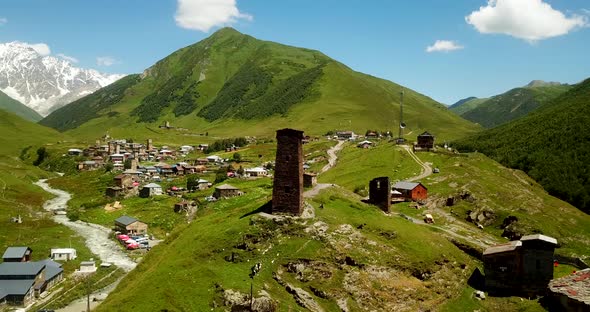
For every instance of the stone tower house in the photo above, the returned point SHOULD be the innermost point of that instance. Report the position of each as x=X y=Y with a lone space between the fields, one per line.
x=287 y=194
x=380 y=193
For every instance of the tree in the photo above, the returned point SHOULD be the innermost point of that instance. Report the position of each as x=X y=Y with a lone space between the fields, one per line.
x=240 y=170
x=127 y=164
x=41 y=155
x=237 y=157
x=109 y=167
x=192 y=182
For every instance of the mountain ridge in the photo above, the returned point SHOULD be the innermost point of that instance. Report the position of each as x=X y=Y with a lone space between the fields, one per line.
x=11 y=105
x=232 y=82
x=44 y=83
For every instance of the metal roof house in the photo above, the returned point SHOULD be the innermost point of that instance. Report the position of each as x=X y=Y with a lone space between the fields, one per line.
x=410 y=190
x=129 y=225
x=17 y=254
x=226 y=191
x=151 y=189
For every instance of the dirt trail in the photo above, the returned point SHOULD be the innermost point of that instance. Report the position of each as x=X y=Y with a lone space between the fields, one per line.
x=332 y=158
x=426 y=169
x=96 y=236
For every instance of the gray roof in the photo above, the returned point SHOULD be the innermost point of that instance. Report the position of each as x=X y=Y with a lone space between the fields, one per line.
x=16 y=287
x=575 y=286
x=226 y=187
x=125 y=220
x=20 y=268
x=3 y=294
x=52 y=269
x=510 y=246
x=15 y=252
x=405 y=185
x=152 y=185
x=541 y=237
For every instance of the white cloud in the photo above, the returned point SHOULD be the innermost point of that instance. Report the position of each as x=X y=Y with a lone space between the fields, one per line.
x=202 y=15
x=106 y=61
x=68 y=58
x=41 y=48
x=3 y=21
x=444 y=46
x=531 y=20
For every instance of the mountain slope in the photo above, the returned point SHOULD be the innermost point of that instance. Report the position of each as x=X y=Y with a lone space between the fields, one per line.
x=11 y=105
x=45 y=83
x=513 y=104
x=549 y=144
x=465 y=105
x=231 y=82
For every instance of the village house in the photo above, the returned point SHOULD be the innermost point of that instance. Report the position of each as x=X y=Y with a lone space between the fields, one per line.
x=17 y=254
x=202 y=161
x=519 y=267
x=571 y=293
x=412 y=191
x=182 y=206
x=346 y=135
x=309 y=179
x=226 y=191
x=425 y=142
x=75 y=152
x=117 y=158
x=214 y=159
x=88 y=165
x=178 y=170
x=256 y=172
x=123 y=180
x=129 y=225
x=150 y=190
x=21 y=281
x=87 y=267
x=364 y=144
x=371 y=135
x=185 y=149
x=114 y=191
x=63 y=254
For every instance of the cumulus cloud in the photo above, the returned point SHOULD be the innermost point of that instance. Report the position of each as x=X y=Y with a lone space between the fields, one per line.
x=68 y=58
x=3 y=21
x=531 y=20
x=202 y=15
x=41 y=48
x=443 y=46
x=106 y=61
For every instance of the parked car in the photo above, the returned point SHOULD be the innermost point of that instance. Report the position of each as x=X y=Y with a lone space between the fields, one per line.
x=132 y=246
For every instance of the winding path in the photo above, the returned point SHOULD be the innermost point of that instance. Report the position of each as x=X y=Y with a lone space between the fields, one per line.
x=96 y=236
x=426 y=169
x=332 y=158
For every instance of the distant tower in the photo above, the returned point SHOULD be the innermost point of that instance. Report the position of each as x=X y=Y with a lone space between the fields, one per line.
x=402 y=124
x=287 y=194
x=149 y=144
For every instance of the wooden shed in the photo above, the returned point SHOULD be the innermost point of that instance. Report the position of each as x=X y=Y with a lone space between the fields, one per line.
x=413 y=191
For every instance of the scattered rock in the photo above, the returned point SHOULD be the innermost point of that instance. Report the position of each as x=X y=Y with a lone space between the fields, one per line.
x=303 y=298
x=319 y=293
x=480 y=295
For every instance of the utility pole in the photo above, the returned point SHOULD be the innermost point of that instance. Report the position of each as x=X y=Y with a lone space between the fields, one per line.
x=402 y=125
x=88 y=294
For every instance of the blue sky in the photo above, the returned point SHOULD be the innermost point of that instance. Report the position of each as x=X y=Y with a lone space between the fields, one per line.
x=485 y=47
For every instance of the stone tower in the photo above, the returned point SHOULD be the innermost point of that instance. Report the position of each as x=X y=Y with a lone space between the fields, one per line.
x=380 y=193
x=287 y=194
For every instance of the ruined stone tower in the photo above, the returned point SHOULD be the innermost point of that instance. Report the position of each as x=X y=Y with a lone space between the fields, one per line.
x=288 y=179
x=380 y=193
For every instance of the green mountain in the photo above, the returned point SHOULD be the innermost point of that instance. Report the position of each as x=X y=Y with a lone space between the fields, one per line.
x=467 y=104
x=231 y=82
x=513 y=104
x=11 y=105
x=550 y=145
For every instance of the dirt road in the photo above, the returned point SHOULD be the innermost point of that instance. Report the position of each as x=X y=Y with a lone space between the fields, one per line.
x=426 y=169
x=332 y=158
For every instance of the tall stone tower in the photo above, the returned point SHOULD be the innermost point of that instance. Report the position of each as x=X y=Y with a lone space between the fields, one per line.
x=380 y=193
x=287 y=194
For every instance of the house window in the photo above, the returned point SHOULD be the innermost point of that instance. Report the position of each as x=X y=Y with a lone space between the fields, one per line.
x=287 y=189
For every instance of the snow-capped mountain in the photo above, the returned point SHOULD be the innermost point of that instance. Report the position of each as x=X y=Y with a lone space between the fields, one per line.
x=45 y=83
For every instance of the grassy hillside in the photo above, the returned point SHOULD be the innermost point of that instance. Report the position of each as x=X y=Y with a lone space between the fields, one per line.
x=13 y=106
x=18 y=196
x=513 y=104
x=231 y=82
x=549 y=145
x=465 y=105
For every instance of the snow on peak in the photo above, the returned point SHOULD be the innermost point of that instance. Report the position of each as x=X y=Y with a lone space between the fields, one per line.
x=29 y=74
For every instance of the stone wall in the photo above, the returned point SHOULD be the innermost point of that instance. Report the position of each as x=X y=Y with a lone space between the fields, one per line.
x=380 y=193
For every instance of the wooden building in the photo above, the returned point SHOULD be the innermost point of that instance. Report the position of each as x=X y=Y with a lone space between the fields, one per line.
x=425 y=141
x=522 y=267
x=129 y=225
x=17 y=254
x=411 y=191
